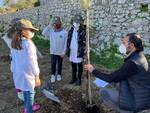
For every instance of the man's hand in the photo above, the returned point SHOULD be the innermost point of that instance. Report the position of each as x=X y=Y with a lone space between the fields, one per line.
x=88 y=67
x=37 y=81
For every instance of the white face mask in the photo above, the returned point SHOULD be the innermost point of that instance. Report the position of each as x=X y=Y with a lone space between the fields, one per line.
x=122 y=49
x=31 y=34
x=76 y=25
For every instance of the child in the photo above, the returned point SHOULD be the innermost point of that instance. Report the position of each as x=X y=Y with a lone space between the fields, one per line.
x=8 y=39
x=76 y=48
x=25 y=67
x=58 y=38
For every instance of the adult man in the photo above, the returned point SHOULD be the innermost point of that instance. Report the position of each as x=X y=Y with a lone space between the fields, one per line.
x=133 y=78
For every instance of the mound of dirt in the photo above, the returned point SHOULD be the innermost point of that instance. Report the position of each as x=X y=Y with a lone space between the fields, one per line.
x=71 y=102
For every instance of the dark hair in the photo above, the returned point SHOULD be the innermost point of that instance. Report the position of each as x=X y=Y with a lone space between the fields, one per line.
x=133 y=38
x=16 y=40
x=12 y=30
x=14 y=21
x=16 y=36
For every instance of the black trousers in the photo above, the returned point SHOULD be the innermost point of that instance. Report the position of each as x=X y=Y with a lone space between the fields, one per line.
x=77 y=69
x=56 y=60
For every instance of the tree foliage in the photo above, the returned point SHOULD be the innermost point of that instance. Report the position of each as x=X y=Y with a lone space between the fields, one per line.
x=21 y=4
x=85 y=4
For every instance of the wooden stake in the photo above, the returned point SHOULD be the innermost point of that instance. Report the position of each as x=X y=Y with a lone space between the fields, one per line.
x=88 y=58
x=87 y=79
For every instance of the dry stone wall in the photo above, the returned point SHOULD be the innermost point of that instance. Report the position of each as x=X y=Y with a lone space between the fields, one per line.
x=111 y=19
x=116 y=20
x=40 y=16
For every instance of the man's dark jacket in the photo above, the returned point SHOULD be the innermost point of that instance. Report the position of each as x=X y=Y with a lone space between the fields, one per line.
x=135 y=91
x=134 y=82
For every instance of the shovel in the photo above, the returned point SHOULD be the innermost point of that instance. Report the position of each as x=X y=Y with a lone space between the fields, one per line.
x=49 y=92
x=50 y=95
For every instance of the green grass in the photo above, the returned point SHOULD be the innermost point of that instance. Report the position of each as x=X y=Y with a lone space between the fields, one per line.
x=111 y=63
x=1 y=29
x=40 y=42
x=108 y=58
x=144 y=7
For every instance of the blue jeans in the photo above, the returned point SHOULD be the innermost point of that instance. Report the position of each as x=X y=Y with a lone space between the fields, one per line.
x=56 y=60
x=28 y=100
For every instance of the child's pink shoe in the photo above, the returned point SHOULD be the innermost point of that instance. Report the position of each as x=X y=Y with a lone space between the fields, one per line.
x=35 y=107
x=23 y=110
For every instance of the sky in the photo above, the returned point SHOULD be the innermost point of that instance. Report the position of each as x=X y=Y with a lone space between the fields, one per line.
x=1 y=3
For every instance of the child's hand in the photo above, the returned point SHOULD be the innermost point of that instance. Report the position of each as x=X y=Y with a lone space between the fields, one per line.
x=37 y=81
x=62 y=56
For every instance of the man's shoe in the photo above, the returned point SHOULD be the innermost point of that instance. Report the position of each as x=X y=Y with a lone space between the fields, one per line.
x=72 y=81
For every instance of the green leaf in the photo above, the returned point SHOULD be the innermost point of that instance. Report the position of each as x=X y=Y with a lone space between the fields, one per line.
x=85 y=4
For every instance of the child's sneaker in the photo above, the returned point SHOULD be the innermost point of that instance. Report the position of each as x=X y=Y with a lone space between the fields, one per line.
x=58 y=77
x=35 y=107
x=52 y=78
x=23 y=110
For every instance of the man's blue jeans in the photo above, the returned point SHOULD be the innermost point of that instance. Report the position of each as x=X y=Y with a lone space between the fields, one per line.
x=29 y=100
